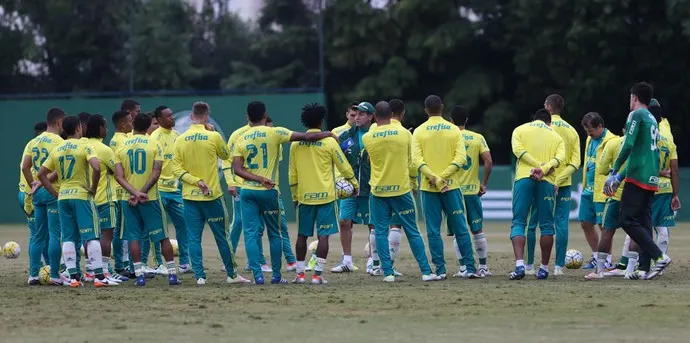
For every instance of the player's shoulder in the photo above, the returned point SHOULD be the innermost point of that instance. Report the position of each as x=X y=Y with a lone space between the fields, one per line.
x=279 y=131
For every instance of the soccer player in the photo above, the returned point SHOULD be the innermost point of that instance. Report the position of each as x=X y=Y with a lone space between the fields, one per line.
x=389 y=149
x=471 y=188
x=83 y=120
x=123 y=127
x=350 y=116
x=138 y=167
x=168 y=187
x=195 y=163
x=438 y=151
x=131 y=106
x=539 y=150
x=77 y=211
x=640 y=150
x=105 y=198
x=154 y=123
x=592 y=200
x=259 y=148
x=313 y=191
x=44 y=203
x=356 y=209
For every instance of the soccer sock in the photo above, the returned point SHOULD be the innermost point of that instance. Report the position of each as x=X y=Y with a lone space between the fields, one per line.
x=300 y=267
x=347 y=260
x=458 y=254
x=480 y=247
x=632 y=261
x=544 y=267
x=320 y=263
x=601 y=260
x=394 y=237
x=609 y=258
x=519 y=263
x=172 y=270
x=662 y=238
x=106 y=264
x=95 y=257
x=69 y=252
x=138 y=269
x=372 y=246
x=125 y=252
x=595 y=254
x=624 y=253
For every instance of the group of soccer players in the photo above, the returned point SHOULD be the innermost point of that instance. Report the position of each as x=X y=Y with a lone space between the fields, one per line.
x=629 y=181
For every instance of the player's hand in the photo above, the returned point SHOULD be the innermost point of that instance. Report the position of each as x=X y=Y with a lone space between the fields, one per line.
x=93 y=190
x=203 y=187
x=537 y=174
x=355 y=193
x=482 y=189
x=675 y=203
x=269 y=184
x=611 y=184
x=232 y=190
x=133 y=200
x=34 y=187
x=210 y=127
x=665 y=173
x=550 y=171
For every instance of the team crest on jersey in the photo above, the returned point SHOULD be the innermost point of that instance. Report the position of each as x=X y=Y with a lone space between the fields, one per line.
x=347 y=144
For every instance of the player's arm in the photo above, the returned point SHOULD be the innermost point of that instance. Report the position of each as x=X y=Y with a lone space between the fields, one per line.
x=417 y=157
x=520 y=151
x=459 y=158
x=603 y=166
x=342 y=165
x=238 y=167
x=120 y=178
x=26 y=169
x=178 y=170
x=485 y=155
x=46 y=168
x=155 y=174
x=292 y=174
x=632 y=129
x=311 y=136
x=556 y=160
x=95 y=174
x=573 y=158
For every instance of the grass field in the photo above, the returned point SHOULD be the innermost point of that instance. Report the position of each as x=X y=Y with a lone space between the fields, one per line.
x=357 y=307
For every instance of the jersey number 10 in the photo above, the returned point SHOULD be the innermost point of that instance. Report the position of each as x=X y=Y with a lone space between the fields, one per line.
x=137 y=161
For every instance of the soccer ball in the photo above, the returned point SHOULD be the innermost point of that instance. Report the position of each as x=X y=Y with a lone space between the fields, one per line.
x=176 y=248
x=343 y=189
x=11 y=249
x=312 y=247
x=367 y=251
x=573 y=259
x=44 y=275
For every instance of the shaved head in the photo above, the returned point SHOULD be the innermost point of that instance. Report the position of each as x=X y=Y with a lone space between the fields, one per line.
x=383 y=110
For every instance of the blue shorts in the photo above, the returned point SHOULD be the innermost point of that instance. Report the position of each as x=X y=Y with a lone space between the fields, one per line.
x=355 y=209
x=322 y=217
x=144 y=219
x=474 y=212
x=590 y=211
x=612 y=215
x=526 y=194
x=78 y=220
x=662 y=214
x=107 y=215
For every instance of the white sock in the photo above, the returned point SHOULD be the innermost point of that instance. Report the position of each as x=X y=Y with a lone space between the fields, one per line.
x=300 y=267
x=106 y=264
x=458 y=254
x=609 y=258
x=394 y=237
x=529 y=266
x=519 y=263
x=125 y=253
x=95 y=255
x=626 y=246
x=69 y=252
x=172 y=269
x=347 y=260
x=320 y=263
x=138 y=269
x=544 y=267
x=481 y=247
x=595 y=255
x=632 y=261
x=601 y=260
x=372 y=246
x=662 y=238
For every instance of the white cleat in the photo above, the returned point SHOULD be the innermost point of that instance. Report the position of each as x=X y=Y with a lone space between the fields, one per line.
x=291 y=267
x=483 y=272
x=105 y=283
x=397 y=273
x=636 y=275
x=594 y=276
x=161 y=270
x=265 y=268
x=389 y=278
x=442 y=276
x=112 y=279
x=184 y=269
x=299 y=279
x=431 y=277
x=200 y=281
x=318 y=280
x=343 y=268
x=238 y=279
x=376 y=271
x=531 y=271
x=614 y=272
x=659 y=266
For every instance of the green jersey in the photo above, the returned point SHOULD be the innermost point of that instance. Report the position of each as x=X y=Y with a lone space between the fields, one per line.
x=640 y=150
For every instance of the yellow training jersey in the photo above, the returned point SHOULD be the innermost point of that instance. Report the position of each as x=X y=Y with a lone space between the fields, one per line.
x=166 y=139
x=665 y=129
x=311 y=170
x=106 y=184
x=137 y=155
x=667 y=153
x=605 y=163
x=23 y=184
x=437 y=144
x=536 y=145
x=342 y=128
x=71 y=161
x=196 y=158
x=230 y=177
x=260 y=148
x=394 y=122
x=571 y=143
x=475 y=146
x=39 y=150
x=116 y=143
x=390 y=156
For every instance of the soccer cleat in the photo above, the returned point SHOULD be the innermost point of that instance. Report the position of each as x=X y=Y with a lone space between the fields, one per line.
x=343 y=268
x=99 y=283
x=659 y=265
x=265 y=268
x=259 y=281
x=483 y=272
x=299 y=279
x=608 y=265
x=615 y=272
x=376 y=271
x=443 y=276
x=389 y=278
x=119 y=277
x=542 y=274
x=311 y=264
x=75 y=283
x=473 y=276
x=141 y=280
x=148 y=272
x=370 y=265
x=173 y=281
x=161 y=270
x=237 y=279
x=558 y=271
x=125 y=273
x=34 y=281
x=291 y=267
x=636 y=275
x=431 y=277
x=517 y=274
x=111 y=279
x=318 y=280
x=594 y=276
x=397 y=273
x=200 y=281
x=592 y=264
x=185 y=268
x=530 y=271
x=278 y=281
x=88 y=277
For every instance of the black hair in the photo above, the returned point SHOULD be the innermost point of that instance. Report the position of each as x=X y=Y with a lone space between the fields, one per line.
x=556 y=102
x=94 y=125
x=643 y=91
x=543 y=115
x=313 y=115
x=118 y=116
x=159 y=110
x=83 y=117
x=129 y=105
x=434 y=104
x=656 y=112
x=459 y=115
x=40 y=126
x=256 y=111
x=383 y=110
x=54 y=114
x=70 y=125
x=141 y=122
x=269 y=119
x=397 y=106
x=593 y=120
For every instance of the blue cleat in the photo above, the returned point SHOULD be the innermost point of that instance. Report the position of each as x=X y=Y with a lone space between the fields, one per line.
x=141 y=280
x=542 y=274
x=517 y=274
x=259 y=281
x=592 y=264
x=173 y=281
x=278 y=281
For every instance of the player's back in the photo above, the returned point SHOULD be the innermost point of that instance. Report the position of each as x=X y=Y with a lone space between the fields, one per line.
x=198 y=151
x=437 y=140
x=137 y=155
x=540 y=141
x=166 y=140
x=643 y=162
x=665 y=129
x=389 y=154
x=571 y=141
x=475 y=145
x=260 y=147
x=70 y=161
x=667 y=152
x=313 y=164
x=116 y=143
x=106 y=157
x=40 y=149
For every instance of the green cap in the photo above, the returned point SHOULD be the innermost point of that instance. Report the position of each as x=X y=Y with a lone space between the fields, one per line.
x=654 y=102
x=366 y=107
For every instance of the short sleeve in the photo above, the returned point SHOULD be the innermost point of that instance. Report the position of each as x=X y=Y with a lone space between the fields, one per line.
x=28 y=147
x=484 y=147
x=239 y=149
x=90 y=152
x=282 y=135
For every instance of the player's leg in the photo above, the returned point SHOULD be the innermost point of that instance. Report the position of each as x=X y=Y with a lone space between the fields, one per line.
x=532 y=223
x=405 y=207
x=348 y=215
x=38 y=238
x=327 y=225
x=270 y=207
x=545 y=200
x=90 y=233
x=588 y=217
x=156 y=227
x=252 y=224
x=380 y=219
x=219 y=227
x=475 y=218
x=599 y=208
x=306 y=220
x=433 y=208
x=523 y=198
x=236 y=230
x=285 y=237
x=106 y=218
x=70 y=239
x=453 y=206
x=195 y=221
x=132 y=227
x=117 y=246
x=174 y=209
x=662 y=218
x=610 y=223
x=561 y=218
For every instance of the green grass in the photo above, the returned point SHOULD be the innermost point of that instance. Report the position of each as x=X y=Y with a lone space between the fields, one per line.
x=356 y=307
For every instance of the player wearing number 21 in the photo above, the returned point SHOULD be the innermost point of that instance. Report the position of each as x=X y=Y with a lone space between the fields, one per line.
x=260 y=148
x=138 y=165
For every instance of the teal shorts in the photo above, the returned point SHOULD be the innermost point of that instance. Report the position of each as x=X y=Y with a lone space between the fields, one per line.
x=144 y=219
x=612 y=217
x=590 y=211
x=78 y=220
x=107 y=215
x=526 y=194
x=662 y=214
x=355 y=209
x=474 y=212
x=322 y=217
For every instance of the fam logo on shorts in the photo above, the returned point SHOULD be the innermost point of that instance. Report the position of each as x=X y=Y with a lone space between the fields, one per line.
x=183 y=121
